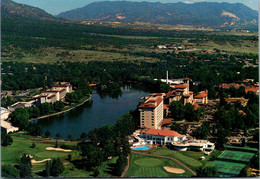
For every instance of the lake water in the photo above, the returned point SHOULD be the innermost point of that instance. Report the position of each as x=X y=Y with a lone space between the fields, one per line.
x=94 y=114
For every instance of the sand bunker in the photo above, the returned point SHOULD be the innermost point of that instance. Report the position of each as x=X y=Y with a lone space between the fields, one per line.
x=174 y=170
x=40 y=161
x=58 y=149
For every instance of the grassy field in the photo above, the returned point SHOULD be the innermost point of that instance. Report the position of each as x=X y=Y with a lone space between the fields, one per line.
x=242 y=46
x=147 y=166
x=49 y=55
x=12 y=154
x=197 y=155
x=189 y=161
x=22 y=142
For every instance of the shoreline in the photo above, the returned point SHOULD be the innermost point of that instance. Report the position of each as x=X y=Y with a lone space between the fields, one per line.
x=58 y=113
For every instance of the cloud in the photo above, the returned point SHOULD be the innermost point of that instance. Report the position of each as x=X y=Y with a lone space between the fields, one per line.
x=188 y=2
x=193 y=1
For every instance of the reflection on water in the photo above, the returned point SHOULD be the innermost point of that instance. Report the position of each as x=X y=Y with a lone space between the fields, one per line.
x=101 y=110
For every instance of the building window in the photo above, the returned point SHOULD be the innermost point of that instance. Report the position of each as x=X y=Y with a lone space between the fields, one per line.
x=152 y=124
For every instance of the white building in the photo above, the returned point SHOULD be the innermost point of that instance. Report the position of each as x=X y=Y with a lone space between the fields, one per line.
x=197 y=145
x=163 y=137
x=8 y=127
x=4 y=113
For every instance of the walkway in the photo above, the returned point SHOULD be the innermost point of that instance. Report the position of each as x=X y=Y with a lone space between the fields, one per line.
x=55 y=114
x=193 y=172
x=127 y=166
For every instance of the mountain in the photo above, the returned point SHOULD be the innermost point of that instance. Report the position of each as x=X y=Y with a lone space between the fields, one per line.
x=202 y=14
x=13 y=9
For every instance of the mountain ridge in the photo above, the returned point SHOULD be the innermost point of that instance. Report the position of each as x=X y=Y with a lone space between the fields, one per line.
x=13 y=9
x=202 y=13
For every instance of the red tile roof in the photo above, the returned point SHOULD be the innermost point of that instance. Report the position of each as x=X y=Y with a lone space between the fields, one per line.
x=196 y=105
x=162 y=132
x=181 y=86
x=149 y=105
x=166 y=121
x=158 y=94
x=187 y=95
x=252 y=89
x=201 y=95
x=226 y=86
x=242 y=99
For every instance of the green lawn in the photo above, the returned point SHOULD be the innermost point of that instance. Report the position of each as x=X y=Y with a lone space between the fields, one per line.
x=189 y=161
x=242 y=148
x=197 y=155
x=22 y=142
x=12 y=154
x=148 y=166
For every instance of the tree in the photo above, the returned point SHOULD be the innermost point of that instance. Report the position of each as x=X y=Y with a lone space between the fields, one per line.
x=35 y=129
x=6 y=139
x=58 y=106
x=96 y=172
x=83 y=136
x=33 y=145
x=189 y=112
x=71 y=97
x=177 y=110
x=69 y=157
x=243 y=172
x=20 y=118
x=125 y=147
x=25 y=167
x=9 y=171
x=221 y=137
x=70 y=137
x=56 y=167
x=176 y=127
x=47 y=134
x=108 y=148
x=207 y=172
x=164 y=87
x=202 y=132
x=56 y=144
x=117 y=146
x=48 y=168
x=58 y=135
x=121 y=162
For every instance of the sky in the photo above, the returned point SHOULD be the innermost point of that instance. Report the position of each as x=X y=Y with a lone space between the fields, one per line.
x=55 y=7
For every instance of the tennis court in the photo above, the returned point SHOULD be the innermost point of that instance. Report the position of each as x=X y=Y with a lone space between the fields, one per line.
x=230 y=168
x=237 y=155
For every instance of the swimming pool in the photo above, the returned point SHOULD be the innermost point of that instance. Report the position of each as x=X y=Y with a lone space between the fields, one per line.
x=142 y=148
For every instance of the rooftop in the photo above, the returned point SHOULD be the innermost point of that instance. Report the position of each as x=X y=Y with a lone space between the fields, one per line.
x=162 y=132
x=151 y=102
x=202 y=95
x=4 y=110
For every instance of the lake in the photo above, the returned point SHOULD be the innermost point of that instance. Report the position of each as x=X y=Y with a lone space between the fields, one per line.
x=100 y=110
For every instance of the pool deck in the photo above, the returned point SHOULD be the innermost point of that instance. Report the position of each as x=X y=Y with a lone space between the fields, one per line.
x=150 y=146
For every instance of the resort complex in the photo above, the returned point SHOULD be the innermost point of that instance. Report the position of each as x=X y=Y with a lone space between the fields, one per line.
x=129 y=89
x=56 y=93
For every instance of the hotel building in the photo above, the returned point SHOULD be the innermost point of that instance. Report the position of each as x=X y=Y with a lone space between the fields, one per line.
x=151 y=111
